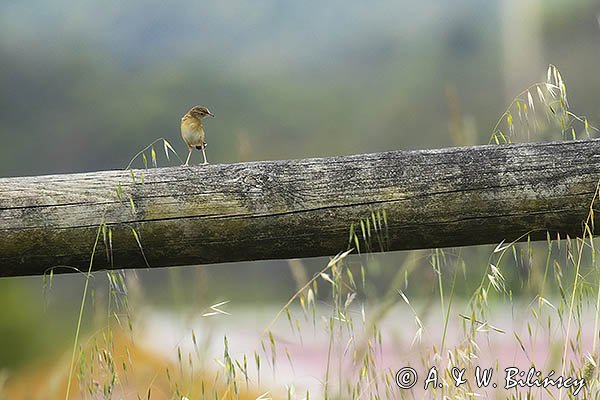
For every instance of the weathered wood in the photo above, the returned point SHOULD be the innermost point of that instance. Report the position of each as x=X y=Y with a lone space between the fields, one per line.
x=296 y=208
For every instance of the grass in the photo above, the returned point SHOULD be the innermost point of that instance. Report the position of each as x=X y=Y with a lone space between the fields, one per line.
x=81 y=309
x=538 y=111
x=354 y=324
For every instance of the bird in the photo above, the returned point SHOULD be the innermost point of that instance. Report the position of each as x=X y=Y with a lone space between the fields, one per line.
x=192 y=130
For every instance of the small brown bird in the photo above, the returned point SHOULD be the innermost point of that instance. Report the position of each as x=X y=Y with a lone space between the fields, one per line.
x=192 y=130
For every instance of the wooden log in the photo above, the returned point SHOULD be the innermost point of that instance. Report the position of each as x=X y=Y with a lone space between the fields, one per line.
x=295 y=208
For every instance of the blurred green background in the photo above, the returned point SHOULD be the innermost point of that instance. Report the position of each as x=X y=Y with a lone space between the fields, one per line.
x=86 y=85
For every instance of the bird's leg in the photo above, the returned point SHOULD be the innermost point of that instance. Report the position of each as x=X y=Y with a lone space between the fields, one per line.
x=204 y=155
x=188 y=158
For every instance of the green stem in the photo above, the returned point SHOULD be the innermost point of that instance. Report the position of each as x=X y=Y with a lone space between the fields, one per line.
x=85 y=289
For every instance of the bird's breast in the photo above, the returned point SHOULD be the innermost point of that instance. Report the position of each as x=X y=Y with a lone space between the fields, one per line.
x=192 y=132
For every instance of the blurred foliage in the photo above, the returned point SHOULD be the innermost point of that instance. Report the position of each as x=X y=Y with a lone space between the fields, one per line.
x=25 y=331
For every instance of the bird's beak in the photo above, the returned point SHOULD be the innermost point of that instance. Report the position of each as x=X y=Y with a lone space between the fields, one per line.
x=211 y=114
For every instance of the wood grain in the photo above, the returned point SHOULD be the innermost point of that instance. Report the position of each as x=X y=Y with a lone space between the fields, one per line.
x=296 y=208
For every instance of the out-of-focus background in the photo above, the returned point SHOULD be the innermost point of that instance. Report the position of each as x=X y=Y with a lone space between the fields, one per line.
x=85 y=85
